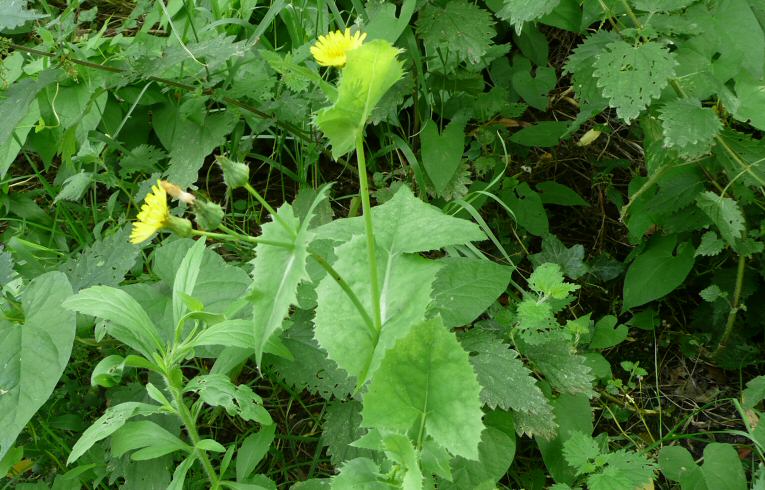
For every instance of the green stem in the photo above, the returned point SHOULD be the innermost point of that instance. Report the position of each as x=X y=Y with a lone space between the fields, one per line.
x=734 y=307
x=369 y=229
x=232 y=236
x=270 y=209
x=191 y=430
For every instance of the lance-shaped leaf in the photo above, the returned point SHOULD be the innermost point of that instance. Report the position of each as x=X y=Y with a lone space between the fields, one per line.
x=370 y=71
x=427 y=379
x=278 y=270
x=33 y=355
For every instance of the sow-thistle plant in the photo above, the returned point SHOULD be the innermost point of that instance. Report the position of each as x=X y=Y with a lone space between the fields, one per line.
x=155 y=214
x=332 y=49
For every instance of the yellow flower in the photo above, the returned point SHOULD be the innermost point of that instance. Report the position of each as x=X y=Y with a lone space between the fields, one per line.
x=330 y=50
x=154 y=215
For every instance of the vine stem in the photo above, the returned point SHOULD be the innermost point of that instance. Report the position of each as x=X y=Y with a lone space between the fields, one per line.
x=734 y=307
x=369 y=229
x=191 y=430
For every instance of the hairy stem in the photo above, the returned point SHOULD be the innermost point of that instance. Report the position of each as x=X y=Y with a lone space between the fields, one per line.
x=734 y=307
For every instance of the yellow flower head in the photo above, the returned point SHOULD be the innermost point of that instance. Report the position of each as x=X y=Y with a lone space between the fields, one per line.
x=330 y=50
x=154 y=215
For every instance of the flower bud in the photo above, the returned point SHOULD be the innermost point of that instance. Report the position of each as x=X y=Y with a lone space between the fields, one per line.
x=208 y=214
x=177 y=193
x=235 y=174
x=179 y=226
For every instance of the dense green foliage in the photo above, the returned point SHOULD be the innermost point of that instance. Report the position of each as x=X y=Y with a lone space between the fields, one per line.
x=434 y=263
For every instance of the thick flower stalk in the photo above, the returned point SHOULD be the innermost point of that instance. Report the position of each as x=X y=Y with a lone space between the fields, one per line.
x=330 y=50
x=154 y=215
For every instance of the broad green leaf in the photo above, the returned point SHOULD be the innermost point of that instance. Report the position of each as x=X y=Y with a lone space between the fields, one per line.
x=464 y=288
x=113 y=418
x=15 y=106
x=460 y=30
x=534 y=86
x=230 y=333
x=370 y=71
x=506 y=382
x=359 y=473
x=573 y=414
x=427 y=379
x=495 y=454
x=623 y=469
x=129 y=323
x=754 y=392
x=14 y=13
x=633 y=75
x=276 y=274
x=607 y=333
x=310 y=369
x=688 y=127
x=405 y=292
x=725 y=213
x=677 y=465
x=186 y=278
x=442 y=153
x=543 y=134
x=553 y=192
x=751 y=102
x=744 y=46
x=383 y=23
x=517 y=12
x=33 y=355
x=405 y=224
x=105 y=262
x=657 y=271
x=661 y=5
x=528 y=209
x=179 y=475
x=9 y=149
x=254 y=448
x=722 y=468
x=150 y=439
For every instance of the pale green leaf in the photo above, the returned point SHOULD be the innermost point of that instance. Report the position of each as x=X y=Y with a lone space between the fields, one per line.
x=254 y=448
x=710 y=244
x=633 y=75
x=405 y=224
x=230 y=333
x=725 y=213
x=9 y=149
x=677 y=464
x=276 y=274
x=465 y=288
x=400 y=450
x=751 y=100
x=623 y=470
x=607 y=333
x=217 y=390
x=754 y=392
x=517 y=12
x=14 y=13
x=186 y=278
x=661 y=5
x=712 y=293
x=547 y=279
x=460 y=30
x=427 y=379
x=129 y=322
x=105 y=262
x=113 y=418
x=405 y=286
x=688 y=127
x=370 y=71
x=359 y=473
x=145 y=435
x=383 y=23
x=580 y=451
x=33 y=355
x=722 y=467
x=657 y=271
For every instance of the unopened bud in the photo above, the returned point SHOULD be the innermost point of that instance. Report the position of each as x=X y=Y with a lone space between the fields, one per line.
x=179 y=226
x=177 y=193
x=208 y=214
x=235 y=174
x=589 y=137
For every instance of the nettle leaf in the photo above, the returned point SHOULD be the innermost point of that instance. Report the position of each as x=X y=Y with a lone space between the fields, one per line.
x=370 y=71
x=310 y=369
x=461 y=30
x=547 y=279
x=657 y=271
x=751 y=103
x=14 y=13
x=710 y=244
x=621 y=469
x=688 y=127
x=33 y=355
x=632 y=75
x=562 y=367
x=580 y=451
x=724 y=213
x=427 y=379
x=342 y=426
x=276 y=273
x=506 y=382
x=517 y=12
x=661 y=5
x=570 y=259
x=465 y=288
